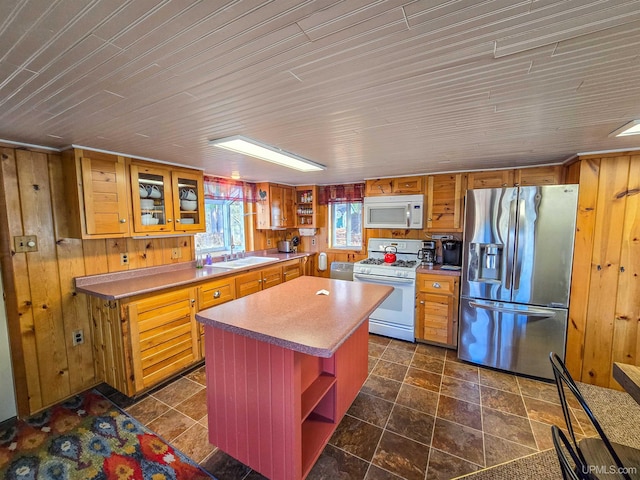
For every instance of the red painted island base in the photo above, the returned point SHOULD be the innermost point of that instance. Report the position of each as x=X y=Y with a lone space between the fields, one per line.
x=274 y=409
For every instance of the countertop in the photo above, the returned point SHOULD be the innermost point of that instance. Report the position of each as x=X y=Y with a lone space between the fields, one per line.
x=293 y=316
x=437 y=269
x=118 y=285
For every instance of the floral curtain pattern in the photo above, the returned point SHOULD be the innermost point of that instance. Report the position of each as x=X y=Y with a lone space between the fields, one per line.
x=352 y=192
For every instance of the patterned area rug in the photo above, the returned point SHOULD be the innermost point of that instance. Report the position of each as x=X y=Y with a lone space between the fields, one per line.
x=88 y=437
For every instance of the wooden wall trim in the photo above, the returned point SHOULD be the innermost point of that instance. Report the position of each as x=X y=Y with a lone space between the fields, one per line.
x=589 y=171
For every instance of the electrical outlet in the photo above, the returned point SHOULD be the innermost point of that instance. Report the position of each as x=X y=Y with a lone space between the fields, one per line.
x=268 y=242
x=313 y=241
x=124 y=258
x=78 y=337
x=176 y=253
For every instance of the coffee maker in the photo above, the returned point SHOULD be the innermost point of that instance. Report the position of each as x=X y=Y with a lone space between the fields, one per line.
x=452 y=252
x=427 y=253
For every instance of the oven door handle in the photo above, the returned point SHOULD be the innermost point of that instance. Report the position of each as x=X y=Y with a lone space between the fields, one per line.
x=386 y=280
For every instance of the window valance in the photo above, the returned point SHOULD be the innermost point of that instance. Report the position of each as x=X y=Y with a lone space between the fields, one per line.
x=351 y=192
x=217 y=188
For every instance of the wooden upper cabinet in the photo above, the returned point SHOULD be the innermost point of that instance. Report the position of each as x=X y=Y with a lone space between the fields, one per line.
x=96 y=190
x=394 y=186
x=406 y=185
x=166 y=200
x=187 y=186
x=445 y=202
x=490 y=179
x=380 y=186
x=534 y=176
x=306 y=205
x=275 y=207
x=547 y=175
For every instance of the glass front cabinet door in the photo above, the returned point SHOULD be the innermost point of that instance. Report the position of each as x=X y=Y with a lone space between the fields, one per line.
x=188 y=201
x=152 y=199
x=166 y=201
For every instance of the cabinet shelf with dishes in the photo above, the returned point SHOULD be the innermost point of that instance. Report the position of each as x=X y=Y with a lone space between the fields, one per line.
x=306 y=206
x=168 y=200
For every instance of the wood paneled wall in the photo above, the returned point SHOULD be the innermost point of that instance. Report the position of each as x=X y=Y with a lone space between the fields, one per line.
x=43 y=308
x=605 y=295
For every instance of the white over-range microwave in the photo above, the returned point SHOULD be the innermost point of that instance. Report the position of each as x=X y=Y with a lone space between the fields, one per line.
x=399 y=211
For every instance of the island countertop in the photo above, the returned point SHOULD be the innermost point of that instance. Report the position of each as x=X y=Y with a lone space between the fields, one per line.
x=292 y=314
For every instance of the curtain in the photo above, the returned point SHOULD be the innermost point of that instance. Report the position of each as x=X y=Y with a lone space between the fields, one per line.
x=217 y=188
x=352 y=192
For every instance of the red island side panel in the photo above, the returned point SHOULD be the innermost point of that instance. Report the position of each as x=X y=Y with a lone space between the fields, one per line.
x=254 y=392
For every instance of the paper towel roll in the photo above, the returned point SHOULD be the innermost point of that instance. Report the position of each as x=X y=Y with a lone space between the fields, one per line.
x=322 y=262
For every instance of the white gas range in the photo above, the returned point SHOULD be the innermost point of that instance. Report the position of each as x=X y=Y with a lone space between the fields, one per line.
x=395 y=317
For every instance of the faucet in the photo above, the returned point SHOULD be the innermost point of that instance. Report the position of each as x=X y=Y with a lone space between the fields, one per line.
x=232 y=247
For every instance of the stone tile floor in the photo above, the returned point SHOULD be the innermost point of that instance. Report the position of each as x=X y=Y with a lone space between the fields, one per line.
x=421 y=414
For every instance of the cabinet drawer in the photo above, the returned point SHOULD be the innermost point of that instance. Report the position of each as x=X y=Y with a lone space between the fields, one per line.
x=441 y=284
x=216 y=293
x=271 y=277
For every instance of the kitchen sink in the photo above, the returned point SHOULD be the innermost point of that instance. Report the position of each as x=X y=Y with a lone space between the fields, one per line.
x=245 y=262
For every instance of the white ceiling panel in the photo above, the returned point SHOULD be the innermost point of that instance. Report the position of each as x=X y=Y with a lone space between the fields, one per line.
x=368 y=88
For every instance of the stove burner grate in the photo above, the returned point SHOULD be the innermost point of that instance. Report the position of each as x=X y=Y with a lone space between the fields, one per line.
x=397 y=263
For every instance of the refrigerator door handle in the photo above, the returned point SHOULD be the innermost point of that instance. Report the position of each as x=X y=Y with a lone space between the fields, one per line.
x=520 y=243
x=511 y=240
x=530 y=312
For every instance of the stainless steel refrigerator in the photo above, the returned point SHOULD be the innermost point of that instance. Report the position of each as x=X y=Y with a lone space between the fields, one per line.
x=516 y=276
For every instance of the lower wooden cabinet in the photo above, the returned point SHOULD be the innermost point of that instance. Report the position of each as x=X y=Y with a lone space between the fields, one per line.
x=164 y=336
x=252 y=282
x=292 y=269
x=211 y=294
x=144 y=340
x=437 y=309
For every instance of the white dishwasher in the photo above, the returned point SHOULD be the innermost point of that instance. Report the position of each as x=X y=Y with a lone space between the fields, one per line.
x=341 y=271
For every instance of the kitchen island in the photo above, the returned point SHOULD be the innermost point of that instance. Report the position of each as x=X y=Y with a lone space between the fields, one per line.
x=282 y=368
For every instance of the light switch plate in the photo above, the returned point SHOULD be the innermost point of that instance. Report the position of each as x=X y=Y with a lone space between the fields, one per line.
x=26 y=243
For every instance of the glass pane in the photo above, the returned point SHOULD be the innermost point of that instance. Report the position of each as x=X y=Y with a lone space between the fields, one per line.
x=224 y=222
x=346 y=225
x=355 y=225
x=152 y=199
x=188 y=191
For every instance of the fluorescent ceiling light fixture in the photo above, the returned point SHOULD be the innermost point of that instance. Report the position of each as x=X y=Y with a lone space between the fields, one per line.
x=253 y=148
x=631 y=128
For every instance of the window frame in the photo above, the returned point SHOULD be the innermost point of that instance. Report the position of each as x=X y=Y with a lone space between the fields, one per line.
x=227 y=227
x=332 y=228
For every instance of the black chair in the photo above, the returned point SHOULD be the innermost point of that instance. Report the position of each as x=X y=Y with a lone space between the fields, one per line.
x=601 y=457
x=579 y=470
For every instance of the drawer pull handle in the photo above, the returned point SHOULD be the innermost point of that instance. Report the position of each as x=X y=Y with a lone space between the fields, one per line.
x=123 y=220
x=216 y=294
x=436 y=285
x=421 y=302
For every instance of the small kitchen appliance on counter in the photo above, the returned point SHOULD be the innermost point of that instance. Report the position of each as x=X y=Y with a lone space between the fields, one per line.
x=452 y=252
x=289 y=246
x=427 y=253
